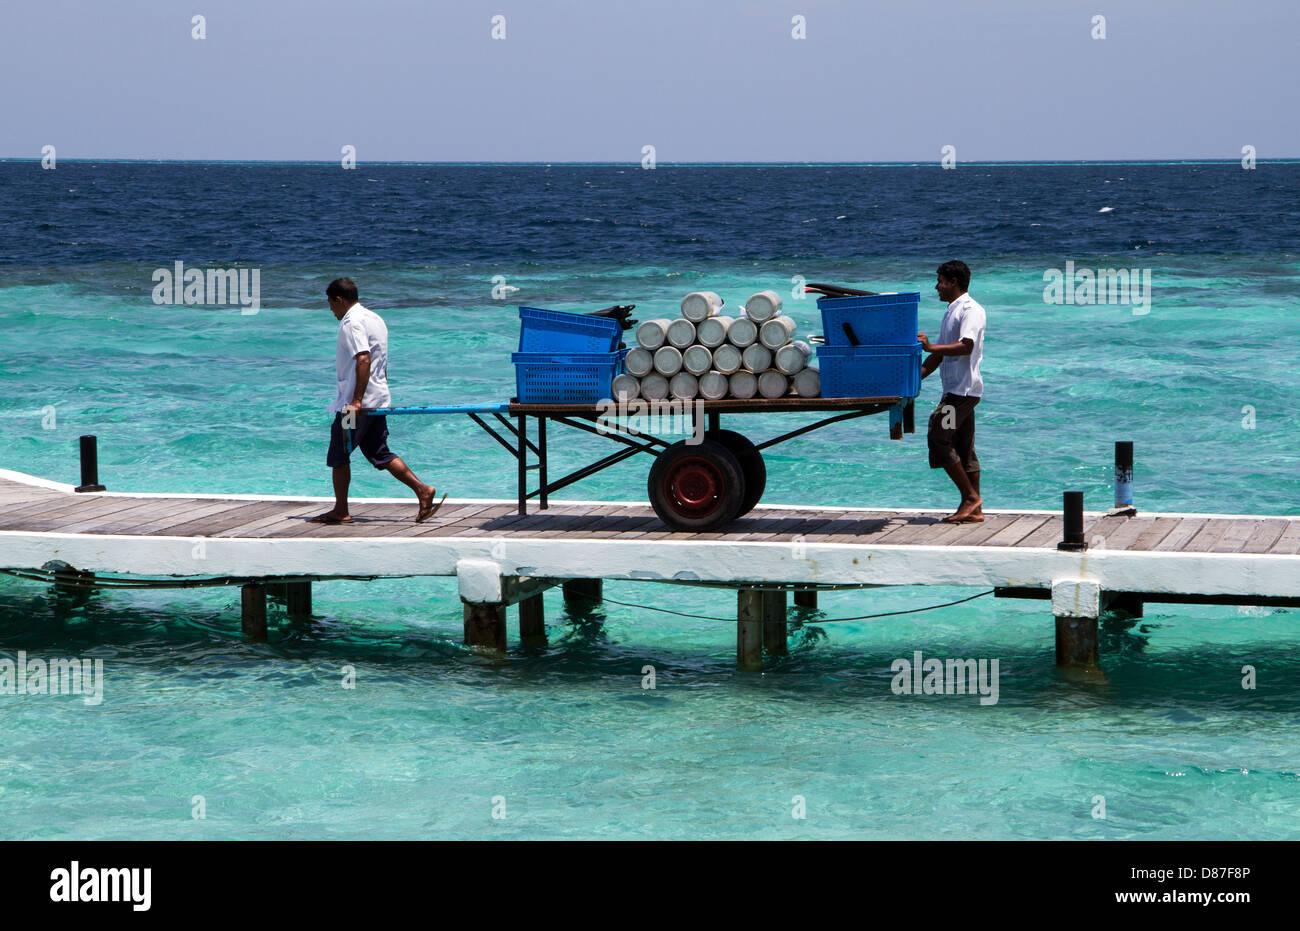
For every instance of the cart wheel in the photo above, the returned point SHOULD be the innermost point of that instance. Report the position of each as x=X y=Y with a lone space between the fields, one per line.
x=751 y=465
x=697 y=487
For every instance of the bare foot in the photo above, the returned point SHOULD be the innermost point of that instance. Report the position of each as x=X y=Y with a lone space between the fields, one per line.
x=968 y=513
x=427 y=507
x=329 y=517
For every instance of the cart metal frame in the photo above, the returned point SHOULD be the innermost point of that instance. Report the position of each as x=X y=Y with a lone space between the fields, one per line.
x=495 y=420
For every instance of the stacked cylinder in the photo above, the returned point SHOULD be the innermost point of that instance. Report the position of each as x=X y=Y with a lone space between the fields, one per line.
x=706 y=354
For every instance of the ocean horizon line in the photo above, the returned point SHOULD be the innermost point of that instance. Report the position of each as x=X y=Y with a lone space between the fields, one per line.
x=662 y=163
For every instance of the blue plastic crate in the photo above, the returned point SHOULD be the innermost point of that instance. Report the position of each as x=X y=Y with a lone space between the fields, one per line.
x=876 y=320
x=559 y=331
x=870 y=371
x=565 y=378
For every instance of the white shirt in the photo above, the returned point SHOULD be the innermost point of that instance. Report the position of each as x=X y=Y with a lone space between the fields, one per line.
x=961 y=374
x=361 y=330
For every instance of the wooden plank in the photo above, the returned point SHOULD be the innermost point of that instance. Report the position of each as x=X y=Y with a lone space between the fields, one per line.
x=372 y=520
x=110 y=509
x=471 y=526
x=130 y=519
x=17 y=496
x=1156 y=531
x=1174 y=541
x=917 y=529
x=49 y=507
x=785 y=526
x=975 y=534
x=1046 y=536
x=1207 y=536
x=287 y=514
x=623 y=527
x=861 y=529
x=1118 y=532
x=67 y=513
x=165 y=526
x=817 y=526
x=1289 y=542
x=226 y=520
x=1260 y=533
x=1020 y=528
x=447 y=514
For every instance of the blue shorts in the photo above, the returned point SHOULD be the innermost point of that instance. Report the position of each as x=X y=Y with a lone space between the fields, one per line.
x=370 y=434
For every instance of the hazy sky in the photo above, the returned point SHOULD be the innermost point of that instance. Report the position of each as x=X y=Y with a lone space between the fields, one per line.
x=701 y=80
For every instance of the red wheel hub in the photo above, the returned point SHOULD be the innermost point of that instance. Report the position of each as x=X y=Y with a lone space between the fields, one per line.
x=694 y=487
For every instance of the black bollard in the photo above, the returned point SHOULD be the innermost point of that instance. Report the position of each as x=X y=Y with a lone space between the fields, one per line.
x=89 y=465
x=1073 y=537
x=1123 y=479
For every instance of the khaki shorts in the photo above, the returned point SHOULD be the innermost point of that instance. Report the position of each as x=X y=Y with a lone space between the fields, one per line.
x=952 y=433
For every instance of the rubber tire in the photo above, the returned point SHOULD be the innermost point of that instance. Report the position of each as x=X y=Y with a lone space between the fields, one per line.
x=715 y=461
x=751 y=465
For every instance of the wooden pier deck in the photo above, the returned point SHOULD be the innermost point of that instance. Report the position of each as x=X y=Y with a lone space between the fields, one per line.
x=489 y=547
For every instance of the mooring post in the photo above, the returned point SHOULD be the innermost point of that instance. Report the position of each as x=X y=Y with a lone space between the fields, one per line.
x=749 y=629
x=89 y=465
x=1073 y=539
x=578 y=591
x=532 y=621
x=774 y=630
x=805 y=598
x=253 y=611
x=1076 y=604
x=485 y=626
x=1123 y=479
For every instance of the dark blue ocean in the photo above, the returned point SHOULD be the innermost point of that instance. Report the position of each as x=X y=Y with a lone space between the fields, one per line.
x=216 y=398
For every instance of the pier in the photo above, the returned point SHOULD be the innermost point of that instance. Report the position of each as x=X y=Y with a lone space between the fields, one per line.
x=502 y=559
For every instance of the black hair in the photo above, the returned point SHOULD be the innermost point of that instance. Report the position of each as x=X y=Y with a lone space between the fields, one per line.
x=956 y=271
x=346 y=289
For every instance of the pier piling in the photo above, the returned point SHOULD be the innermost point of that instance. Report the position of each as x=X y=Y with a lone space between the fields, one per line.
x=253 y=611
x=1076 y=604
x=749 y=629
x=532 y=621
x=583 y=593
x=805 y=598
x=774 y=627
x=485 y=626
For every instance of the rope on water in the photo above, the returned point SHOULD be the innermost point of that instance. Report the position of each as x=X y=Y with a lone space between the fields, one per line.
x=820 y=620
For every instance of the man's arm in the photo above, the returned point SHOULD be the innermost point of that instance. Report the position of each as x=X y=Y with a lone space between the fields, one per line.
x=363 y=379
x=963 y=347
x=930 y=364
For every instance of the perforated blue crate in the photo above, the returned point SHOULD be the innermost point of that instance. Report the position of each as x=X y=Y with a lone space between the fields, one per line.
x=876 y=319
x=565 y=378
x=543 y=330
x=870 y=371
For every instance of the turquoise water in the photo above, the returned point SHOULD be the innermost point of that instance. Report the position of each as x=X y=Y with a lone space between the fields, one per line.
x=186 y=399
